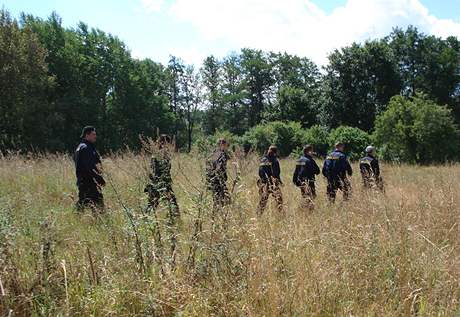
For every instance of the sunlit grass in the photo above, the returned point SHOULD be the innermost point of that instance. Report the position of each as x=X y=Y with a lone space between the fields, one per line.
x=392 y=254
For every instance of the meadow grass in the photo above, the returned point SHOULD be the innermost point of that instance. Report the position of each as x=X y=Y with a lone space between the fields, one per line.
x=392 y=254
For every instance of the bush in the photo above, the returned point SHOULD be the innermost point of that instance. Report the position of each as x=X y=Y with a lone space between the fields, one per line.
x=417 y=130
x=206 y=144
x=355 y=140
x=287 y=136
x=318 y=136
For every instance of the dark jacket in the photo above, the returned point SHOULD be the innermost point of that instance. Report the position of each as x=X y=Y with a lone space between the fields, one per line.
x=269 y=168
x=86 y=159
x=369 y=166
x=336 y=166
x=305 y=170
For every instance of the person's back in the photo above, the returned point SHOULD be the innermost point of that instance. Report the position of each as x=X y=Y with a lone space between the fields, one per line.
x=304 y=176
x=336 y=168
x=216 y=175
x=269 y=180
x=370 y=169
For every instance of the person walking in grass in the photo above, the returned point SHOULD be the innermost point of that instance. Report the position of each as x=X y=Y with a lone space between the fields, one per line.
x=304 y=176
x=270 y=180
x=216 y=175
x=370 y=170
x=89 y=172
x=336 y=168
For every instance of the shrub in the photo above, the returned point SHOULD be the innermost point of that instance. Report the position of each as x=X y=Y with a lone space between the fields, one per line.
x=417 y=130
x=285 y=135
x=318 y=136
x=355 y=139
x=207 y=144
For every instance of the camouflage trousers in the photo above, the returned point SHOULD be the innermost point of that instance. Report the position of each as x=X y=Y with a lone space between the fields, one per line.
x=308 y=192
x=338 y=183
x=265 y=190
x=220 y=196
x=170 y=227
x=371 y=182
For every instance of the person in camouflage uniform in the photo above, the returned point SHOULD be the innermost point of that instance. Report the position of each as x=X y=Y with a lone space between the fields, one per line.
x=216 y=175
x=160 y=189
x=269 y=180
x=370 y=170
x=160 y=186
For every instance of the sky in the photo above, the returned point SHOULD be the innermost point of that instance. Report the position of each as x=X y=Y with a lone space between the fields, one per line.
x=194 y=29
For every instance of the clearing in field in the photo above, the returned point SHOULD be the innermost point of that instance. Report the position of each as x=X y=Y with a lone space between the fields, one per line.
x=377 y=255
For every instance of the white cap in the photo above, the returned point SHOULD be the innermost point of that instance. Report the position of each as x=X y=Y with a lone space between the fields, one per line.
x=370 y=149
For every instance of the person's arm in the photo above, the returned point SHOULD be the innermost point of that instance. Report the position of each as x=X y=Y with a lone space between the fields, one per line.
x=277 y=170
x=316 y=170
x=349 y=169
x=375 y=167
x=325 y=168
x=295 y=177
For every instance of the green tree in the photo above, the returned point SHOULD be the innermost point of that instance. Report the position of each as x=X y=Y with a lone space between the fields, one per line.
x=24 y=108
x=417 y=130
x=211 y=75
x=355 y=140
x=359 y=82
x=296 y=90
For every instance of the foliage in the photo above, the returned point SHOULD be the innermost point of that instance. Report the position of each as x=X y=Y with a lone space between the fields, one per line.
x=59 y=79
x=285 y=135
x=318 y=136
x=417 y=130
x=355 y=140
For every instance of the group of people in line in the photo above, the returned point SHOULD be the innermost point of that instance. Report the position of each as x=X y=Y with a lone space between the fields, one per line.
x=336 y=169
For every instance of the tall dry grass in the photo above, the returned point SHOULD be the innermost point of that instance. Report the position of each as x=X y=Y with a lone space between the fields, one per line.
x=377 y=255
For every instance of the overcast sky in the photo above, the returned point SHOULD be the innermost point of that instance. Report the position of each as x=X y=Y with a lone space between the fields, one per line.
x=194 y=29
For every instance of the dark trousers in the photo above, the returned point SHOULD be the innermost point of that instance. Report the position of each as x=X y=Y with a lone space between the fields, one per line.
x=89 y=195
x=338 y=183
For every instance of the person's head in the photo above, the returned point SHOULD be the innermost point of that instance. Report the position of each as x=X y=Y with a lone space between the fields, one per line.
x=308 y=149
x=340 y=146
x=272 y=150
x=89 y=134
x=163 y=140
x=223 y=144
x=370 y=150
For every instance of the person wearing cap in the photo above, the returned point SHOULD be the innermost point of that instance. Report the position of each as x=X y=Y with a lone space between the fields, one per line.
x=336 y=168
x=269 y=180
x=88 y=171
x=216 y=174
x=304 y=176
x=370 y=169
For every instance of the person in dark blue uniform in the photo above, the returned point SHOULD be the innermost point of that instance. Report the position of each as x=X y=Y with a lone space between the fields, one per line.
x=336 y=168
x=88 y=171
x=304 y=176
x=370 y=170
x=269 y=180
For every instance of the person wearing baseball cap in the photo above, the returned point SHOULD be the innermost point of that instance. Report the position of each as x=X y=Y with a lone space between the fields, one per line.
x=370 y=169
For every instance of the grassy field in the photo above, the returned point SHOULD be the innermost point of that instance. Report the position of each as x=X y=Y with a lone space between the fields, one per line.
x=396 y=254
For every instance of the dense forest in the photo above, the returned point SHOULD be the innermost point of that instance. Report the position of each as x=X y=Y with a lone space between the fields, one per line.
x=54 y=80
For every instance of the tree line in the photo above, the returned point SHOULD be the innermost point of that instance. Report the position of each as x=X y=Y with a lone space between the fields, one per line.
x=54 y=80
